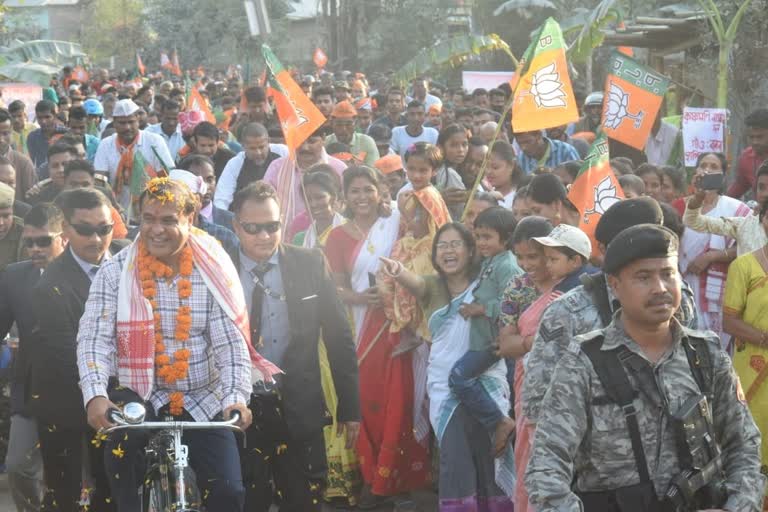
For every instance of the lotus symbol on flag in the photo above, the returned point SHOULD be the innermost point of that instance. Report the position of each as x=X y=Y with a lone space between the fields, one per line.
x=547 y=89
x=616 y=108
x=605 y=197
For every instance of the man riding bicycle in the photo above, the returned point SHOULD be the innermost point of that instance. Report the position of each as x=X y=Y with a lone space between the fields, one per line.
x=167 y=316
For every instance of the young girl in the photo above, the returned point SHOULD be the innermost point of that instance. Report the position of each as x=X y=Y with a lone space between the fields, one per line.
x=422 y=213
x=503 y=173
x=322 y=190
x=454 y=144
x=567 y=250
x=493 y=231
x=548 y=198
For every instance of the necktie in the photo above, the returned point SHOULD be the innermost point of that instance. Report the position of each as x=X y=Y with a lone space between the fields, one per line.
x=93 y=271
x=257 y=296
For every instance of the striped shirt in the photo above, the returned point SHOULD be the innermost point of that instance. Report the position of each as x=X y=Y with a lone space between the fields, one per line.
x=219 y=366
x=557 y=153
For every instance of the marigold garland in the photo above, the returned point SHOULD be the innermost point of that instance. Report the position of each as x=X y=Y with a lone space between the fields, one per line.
x=176 y=368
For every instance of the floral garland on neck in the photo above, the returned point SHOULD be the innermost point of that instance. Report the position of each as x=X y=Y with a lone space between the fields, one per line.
x=150 y=270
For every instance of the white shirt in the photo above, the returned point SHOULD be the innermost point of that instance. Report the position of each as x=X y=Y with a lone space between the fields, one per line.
x=175 y=142
x=279 y=149
x=659 y=146
x=507 y=200
x=225 y=187
x=401 y=141
x=108 y=157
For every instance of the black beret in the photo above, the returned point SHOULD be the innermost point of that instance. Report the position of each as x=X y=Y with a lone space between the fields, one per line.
x=626 y=213
x=638 y=243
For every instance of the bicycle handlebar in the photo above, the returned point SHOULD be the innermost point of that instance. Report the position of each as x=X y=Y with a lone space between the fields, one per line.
x=115 y=416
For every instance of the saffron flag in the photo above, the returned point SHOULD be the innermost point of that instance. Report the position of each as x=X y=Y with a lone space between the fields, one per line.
x=544 y=97
x=319 y=58
x=595 y=188
x=633 y=95
x=195 y=102
x=80 y=74
x=140 y=65
x=175 y=68
x=165 y=62
x=299 y=117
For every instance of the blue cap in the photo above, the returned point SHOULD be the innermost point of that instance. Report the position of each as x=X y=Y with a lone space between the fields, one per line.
x=93 y=107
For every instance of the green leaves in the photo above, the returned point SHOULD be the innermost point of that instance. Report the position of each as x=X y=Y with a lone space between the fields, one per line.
x=450 y=52
x=591 y=35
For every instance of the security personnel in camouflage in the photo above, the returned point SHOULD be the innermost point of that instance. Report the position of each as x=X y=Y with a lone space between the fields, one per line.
x=577 y=312
x=592 y=454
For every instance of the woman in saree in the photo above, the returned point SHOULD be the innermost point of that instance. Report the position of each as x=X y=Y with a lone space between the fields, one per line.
x=322 y=191
x=392 y=462
x=470 y=479
x=745 y=317
x=522 y=305
x=704 y=257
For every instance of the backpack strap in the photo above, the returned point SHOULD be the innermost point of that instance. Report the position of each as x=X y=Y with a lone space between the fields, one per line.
x=597 y=287
x=700 y=361
x=613 y=377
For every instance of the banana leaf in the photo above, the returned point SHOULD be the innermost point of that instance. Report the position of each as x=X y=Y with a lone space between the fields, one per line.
x=592 y=35
x=450 y=52
x=29 y=72
x=524 y=8
x=46 y=51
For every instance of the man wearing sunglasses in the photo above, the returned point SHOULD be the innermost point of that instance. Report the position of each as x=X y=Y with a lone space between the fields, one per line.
x=291 y=298
x=60 y=298
x=43 y=242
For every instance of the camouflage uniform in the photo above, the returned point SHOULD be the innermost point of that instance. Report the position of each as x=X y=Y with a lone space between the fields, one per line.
x=576 y=437
x=570 y=315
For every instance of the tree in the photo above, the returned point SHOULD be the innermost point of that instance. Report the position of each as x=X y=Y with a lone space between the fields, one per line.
x=113 y=28
x=726 y=37
x=207 y=32
x=18 y=24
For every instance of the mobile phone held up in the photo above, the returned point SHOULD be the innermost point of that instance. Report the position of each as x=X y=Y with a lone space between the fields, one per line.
x=711 y=181
x=371 y=279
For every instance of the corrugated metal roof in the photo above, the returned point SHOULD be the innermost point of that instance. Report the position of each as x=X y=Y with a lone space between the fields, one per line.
x=304 y=10
x=39 y=3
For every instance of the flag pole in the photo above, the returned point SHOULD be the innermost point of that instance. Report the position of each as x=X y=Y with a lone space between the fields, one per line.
x=481 y=173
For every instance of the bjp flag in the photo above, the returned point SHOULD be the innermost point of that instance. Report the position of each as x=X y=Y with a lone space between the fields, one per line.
x=320 y=58
x=544 y=97
x=80 y=74
x=633 y=95
x=595 y=188
x=196 y=102
x=299 y=117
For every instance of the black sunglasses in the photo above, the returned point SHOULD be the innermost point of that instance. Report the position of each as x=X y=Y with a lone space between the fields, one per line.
x=88 y=230
x=40 y=241
x=254 y=228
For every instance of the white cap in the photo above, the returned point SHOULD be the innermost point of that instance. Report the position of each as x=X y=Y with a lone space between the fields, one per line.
x=124 y=108
x=195 y=183
x=570 y=237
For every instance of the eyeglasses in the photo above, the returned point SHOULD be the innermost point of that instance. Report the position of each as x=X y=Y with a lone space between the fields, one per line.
x=40 y=241
x=88 y=230
x=453 y=244
x=254 y=228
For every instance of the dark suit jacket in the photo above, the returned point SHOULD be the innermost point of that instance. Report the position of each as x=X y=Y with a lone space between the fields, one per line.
x=17 y=305
x=315 y=307
x=223 y=218
x=60 y=297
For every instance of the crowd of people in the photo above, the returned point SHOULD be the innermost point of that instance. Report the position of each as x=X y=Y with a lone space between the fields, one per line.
x=384 y=318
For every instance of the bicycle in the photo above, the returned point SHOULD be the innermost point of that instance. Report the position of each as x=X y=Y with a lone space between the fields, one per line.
x=169 y=482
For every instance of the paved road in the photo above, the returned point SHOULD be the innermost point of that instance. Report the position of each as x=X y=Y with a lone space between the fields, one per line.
x=427 y=501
